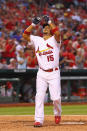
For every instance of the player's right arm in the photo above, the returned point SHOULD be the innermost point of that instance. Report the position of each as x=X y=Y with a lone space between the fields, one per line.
x=26 y=34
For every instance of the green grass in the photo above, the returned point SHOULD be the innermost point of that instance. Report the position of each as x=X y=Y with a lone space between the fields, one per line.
x=74 y=110
x=66 y=110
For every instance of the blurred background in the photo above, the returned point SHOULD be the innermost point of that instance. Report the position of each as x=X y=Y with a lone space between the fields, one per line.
x=71 y=18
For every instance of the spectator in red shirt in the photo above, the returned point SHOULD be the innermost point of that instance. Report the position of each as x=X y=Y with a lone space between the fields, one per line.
x=85 y=63
x=85 y=54
x=71 y=58
x=31 y=63
x=31 y=60
x=10 y=50
x=9 y=88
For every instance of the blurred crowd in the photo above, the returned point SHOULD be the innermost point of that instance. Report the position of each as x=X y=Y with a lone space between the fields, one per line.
x=69 y=15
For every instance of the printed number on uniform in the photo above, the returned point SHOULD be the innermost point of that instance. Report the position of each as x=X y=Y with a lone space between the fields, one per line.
x=50 y=58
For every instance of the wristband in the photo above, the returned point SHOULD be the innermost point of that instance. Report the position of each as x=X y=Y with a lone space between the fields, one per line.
x=54 y=30
x=33 y=24
x=26 y=32
x=49 y=22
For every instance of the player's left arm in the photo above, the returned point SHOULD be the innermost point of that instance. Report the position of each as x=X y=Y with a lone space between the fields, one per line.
x=55 y=31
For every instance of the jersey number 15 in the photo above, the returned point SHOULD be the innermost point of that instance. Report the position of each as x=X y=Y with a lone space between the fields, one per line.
x=50 y=58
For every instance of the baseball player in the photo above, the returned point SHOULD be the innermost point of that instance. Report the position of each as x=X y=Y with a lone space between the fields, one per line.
x=47 y=52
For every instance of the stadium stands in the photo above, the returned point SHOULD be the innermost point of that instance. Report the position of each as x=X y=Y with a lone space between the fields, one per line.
x=71 y=18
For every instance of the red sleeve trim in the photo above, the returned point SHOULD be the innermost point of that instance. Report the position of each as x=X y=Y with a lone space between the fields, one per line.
x=54 y=30
x=26 y=32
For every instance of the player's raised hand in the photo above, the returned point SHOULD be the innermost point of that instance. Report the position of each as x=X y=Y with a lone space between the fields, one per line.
x=36 y=20
x=46 y=19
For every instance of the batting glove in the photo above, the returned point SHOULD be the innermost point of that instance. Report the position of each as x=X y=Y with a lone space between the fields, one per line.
x=35 y=21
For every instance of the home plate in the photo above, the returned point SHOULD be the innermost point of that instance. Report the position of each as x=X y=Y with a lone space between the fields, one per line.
x=72 y=123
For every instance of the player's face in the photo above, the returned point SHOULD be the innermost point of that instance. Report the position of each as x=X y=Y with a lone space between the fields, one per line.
x=46 y=30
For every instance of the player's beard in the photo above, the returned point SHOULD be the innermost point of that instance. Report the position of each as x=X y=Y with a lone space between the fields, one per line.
x=46 y=33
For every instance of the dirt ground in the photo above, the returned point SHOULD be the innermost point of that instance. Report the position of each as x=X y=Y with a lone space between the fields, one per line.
x=25 y=123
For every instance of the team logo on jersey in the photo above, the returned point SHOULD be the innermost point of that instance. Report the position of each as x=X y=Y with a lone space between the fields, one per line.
x=45 y=51
x=49 y=46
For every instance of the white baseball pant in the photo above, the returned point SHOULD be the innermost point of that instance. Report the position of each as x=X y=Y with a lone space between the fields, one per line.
x=43 y=80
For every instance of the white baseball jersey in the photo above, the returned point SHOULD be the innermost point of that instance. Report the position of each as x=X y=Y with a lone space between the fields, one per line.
x=47 y=51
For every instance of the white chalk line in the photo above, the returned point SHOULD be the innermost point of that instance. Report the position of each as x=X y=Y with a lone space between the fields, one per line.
x=72 y=123
x=61 y=123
